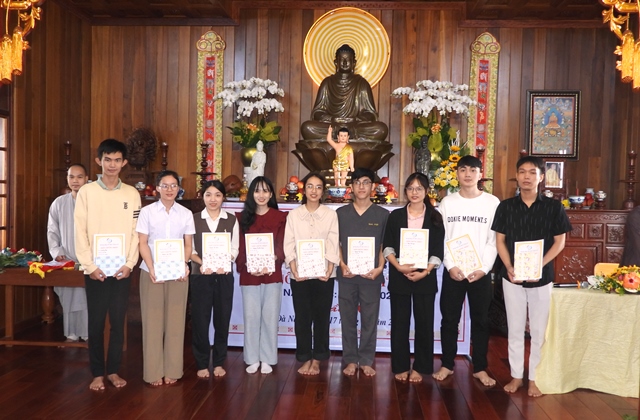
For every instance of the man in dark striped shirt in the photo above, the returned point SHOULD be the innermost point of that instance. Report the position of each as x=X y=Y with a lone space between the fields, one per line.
x=528 y=217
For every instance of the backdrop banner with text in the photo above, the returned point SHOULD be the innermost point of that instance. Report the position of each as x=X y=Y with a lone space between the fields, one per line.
x=286 y=335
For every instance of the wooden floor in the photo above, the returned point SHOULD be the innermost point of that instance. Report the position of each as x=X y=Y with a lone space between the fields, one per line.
x=48 y=382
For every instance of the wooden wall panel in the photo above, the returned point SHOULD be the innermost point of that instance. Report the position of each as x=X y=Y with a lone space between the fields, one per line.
x=50 y=106
x=85 y=84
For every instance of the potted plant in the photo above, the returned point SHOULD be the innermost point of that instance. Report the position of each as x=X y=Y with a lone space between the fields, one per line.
x=432 y=103
x=254 y=100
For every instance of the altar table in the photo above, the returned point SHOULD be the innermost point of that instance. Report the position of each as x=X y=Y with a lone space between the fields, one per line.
x=21 y=277
x=592 y=341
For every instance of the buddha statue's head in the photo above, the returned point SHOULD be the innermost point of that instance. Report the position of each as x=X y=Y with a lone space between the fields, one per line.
x=345 y=59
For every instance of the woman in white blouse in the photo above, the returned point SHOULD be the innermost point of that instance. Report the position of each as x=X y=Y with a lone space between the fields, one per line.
x=312 y=297
x=163 y=303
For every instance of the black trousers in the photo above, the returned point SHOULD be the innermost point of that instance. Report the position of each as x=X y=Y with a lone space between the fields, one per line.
x=479 y=293
x=108 y=296
x=423 y=307
x=207 y=292
x=312 y=304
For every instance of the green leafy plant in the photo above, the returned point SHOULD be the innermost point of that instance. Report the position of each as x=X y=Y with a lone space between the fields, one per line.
x=10 y=257
x=247 y=134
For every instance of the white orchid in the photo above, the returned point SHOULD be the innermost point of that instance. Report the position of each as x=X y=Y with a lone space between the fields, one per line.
x=445 y=97
x=251 y=95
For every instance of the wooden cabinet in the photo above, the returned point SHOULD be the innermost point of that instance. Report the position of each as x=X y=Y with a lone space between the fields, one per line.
x=597 y=236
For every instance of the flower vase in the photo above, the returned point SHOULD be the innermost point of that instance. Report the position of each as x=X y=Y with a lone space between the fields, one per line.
x=246 y=154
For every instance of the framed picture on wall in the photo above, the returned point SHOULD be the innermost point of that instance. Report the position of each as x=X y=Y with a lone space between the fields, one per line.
x=553 y=123
x=554 y=175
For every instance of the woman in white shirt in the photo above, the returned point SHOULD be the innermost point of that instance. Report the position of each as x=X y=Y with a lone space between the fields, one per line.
x=163 y=303
x=211 y=289
x=312 y=297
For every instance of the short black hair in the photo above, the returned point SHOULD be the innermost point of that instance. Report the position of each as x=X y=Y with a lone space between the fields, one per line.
x=470 y=161
x=218 y=185
x=536 y=161
x=109 y=146
x=363 y=173
x=164 y=173
x=344 y=130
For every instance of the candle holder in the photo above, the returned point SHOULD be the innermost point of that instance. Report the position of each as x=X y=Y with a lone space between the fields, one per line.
x=631 y=182
x=164 y=147
x=204 y=165
x=480 y=151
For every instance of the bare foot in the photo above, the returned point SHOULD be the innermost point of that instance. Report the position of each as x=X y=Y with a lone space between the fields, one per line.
x=116 y=380
x=203 y=373
x=402 y=377
x=219 y=371
x=156 y=383
x=442 y=374
x=368 y=370
x=314 y=369
x=170 y=381
x=415 y=377
x=304 y=369
x=97 y=384
x=484 y=377
x=513 y=386
x=350 y=370
x=534 y=391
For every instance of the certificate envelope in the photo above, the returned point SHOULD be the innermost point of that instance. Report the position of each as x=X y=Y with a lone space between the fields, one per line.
x=527 y=260
x=168 y=261
x=108 y=252
x=414 y=247
x=216 y=251
x=361 y=254
x=464 y=254
x=310 y=258
x=260 y=252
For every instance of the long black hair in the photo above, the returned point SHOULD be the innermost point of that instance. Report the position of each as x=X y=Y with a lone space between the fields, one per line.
x=436 y=217
x=248 y=215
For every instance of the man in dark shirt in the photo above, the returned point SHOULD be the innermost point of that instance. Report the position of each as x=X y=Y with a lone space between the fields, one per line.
x=528 y=217
x=631 y=254
x=360 y=293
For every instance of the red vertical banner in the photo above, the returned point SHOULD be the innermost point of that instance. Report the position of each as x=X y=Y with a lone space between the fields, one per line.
x=483 y=81
x=209 y=124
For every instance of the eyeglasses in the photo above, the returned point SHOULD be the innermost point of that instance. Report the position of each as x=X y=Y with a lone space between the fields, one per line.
x=358 y=183
x=415 y=189
x=168 y=186
x=312 y=187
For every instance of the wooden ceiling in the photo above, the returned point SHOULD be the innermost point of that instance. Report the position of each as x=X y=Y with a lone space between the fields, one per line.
x=225 y=12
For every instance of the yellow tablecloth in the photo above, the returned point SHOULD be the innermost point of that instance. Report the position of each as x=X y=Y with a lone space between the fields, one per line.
x=592 y=341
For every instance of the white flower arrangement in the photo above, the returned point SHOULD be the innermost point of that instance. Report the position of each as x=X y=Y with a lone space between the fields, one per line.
x=445 y=97
x=251 y=95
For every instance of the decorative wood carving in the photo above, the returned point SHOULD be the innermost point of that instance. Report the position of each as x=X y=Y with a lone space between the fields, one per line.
x=578 y=231
x=597 y=236
x=595 y=230
x=615 y=234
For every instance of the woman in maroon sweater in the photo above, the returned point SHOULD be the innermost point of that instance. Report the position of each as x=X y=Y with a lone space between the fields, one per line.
x=262 y=287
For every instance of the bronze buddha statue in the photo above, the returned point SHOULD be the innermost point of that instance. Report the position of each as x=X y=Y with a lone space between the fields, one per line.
x=344 y=100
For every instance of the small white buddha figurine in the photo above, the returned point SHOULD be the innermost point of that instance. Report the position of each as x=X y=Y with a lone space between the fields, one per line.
x=258 y=161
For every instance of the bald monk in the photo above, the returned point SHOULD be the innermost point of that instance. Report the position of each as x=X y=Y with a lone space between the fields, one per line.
x=345 y=100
